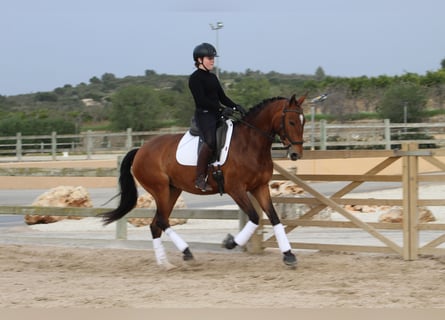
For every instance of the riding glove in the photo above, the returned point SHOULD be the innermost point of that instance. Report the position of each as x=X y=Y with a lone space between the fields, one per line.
x=241 y=110
x=227 y=112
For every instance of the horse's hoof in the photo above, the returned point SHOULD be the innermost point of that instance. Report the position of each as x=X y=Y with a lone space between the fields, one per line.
x=167 y=266
x=187 y=255
x=289 y=259
x=229 y=242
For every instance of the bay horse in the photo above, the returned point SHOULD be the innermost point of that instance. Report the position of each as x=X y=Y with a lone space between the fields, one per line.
x=248 y=168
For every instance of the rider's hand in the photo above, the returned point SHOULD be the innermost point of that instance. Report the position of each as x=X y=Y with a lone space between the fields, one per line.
x=241 y=110
x=227 y=112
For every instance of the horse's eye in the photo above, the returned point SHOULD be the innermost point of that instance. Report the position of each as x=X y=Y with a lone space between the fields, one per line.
x=292 y=123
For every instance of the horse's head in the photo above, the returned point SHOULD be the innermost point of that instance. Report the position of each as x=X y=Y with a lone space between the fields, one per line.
x=292 y=126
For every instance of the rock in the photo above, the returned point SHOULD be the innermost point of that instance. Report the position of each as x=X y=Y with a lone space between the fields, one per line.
x=287 y=189
x=362 y=208
x=61 y=196
x=147 y=201
x=278 y=188
x=425 y=215
x=395 y=215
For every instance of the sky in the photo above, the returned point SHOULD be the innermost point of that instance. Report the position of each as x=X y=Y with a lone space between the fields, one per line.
x=45 y=44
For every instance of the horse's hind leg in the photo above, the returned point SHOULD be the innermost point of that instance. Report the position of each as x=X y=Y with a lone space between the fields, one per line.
x=165 y=204
x=263 y=197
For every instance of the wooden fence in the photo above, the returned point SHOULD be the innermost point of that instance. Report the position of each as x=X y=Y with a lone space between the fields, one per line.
x=410 y=177
x=318 y=136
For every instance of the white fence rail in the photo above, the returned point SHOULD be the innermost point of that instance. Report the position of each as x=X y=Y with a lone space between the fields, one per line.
x=318 y=136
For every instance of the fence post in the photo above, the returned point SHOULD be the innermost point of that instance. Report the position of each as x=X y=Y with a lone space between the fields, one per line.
x=121 y=224
x=387 y=134
x=53 y=145
x=312 y=127
x=410 y=198
x=18 y=146
x=323 y=135
x=129 y=141
x=89 y=144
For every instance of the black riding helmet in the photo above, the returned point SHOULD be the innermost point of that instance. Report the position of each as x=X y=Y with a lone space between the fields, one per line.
x=204 y=50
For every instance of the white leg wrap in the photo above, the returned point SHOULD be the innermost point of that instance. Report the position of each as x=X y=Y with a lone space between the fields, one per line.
x=177 y=240
x=283 y=242
x=245 y=234
x=161 y=257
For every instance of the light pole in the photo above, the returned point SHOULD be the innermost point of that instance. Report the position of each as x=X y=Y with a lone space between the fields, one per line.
x=219 y=25
x=318 y=99
x=405 y=114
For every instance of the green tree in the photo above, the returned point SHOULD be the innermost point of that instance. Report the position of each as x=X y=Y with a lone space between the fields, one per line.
x=319 y=74
x=177 y=107
x=109 y=81
x=36 y=125
x=94 y=80
x=400 y=96
x=250 y=91
x=136 y=107
x=433 y=78
x=46 y=97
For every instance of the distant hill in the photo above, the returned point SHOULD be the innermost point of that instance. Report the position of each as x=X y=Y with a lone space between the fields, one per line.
x=91 y=103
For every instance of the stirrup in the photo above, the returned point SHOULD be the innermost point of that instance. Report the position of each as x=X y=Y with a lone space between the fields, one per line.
x=201 y=184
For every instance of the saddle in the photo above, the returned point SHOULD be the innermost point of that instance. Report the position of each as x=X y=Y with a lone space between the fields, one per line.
x=188 y=149
x=221 y=132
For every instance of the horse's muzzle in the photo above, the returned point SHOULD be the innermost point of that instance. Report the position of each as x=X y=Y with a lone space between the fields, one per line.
x=294 y=156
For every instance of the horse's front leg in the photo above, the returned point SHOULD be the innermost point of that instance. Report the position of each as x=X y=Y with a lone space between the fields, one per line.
x=241 y=239
x=262 y=195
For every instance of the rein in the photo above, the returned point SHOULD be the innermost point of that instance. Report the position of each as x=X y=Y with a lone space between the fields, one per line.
x=271 y=137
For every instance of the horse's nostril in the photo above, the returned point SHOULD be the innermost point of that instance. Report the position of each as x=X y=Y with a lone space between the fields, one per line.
x=294 y=156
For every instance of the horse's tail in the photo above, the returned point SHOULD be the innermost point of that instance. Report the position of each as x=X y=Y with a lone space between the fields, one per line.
x=129 y=192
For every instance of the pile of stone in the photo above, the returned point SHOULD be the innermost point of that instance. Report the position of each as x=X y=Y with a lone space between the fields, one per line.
x=61 y=196
x=294 y=210
x=147 y=201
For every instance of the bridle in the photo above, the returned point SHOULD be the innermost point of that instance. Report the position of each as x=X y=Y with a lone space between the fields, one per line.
x=284 y=135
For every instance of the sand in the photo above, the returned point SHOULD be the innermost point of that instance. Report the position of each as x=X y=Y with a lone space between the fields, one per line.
x=46 y=277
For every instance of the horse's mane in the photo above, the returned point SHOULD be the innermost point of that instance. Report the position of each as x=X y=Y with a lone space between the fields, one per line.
x=257 y=108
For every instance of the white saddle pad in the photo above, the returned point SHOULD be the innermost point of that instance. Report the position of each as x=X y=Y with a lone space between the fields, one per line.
x=187 y=152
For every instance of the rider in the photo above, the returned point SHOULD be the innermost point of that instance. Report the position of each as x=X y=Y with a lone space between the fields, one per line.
x=209 y=97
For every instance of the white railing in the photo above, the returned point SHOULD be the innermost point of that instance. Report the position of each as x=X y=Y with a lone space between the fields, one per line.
x=318 y=136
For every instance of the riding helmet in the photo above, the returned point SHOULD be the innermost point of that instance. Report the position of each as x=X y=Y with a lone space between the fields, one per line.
x=204 y=50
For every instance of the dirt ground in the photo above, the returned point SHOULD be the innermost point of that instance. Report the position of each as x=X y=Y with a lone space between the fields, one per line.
x=17 y=183
x=44 y=277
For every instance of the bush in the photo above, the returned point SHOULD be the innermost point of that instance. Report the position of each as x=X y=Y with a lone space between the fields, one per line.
x=399 y=96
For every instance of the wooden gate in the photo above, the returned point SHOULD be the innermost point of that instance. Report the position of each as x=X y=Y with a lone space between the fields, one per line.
x=409 y=178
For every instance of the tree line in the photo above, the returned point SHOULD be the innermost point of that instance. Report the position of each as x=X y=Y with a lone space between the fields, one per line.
x=153 y=101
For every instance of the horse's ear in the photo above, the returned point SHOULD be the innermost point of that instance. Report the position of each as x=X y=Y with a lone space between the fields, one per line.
x=298 y=102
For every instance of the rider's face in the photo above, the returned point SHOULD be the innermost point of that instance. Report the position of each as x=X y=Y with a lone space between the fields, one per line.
x=208 y=62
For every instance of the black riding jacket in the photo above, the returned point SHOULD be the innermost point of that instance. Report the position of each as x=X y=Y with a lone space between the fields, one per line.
x=208 y=93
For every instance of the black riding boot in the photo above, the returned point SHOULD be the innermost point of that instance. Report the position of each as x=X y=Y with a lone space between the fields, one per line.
x=201 y=168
